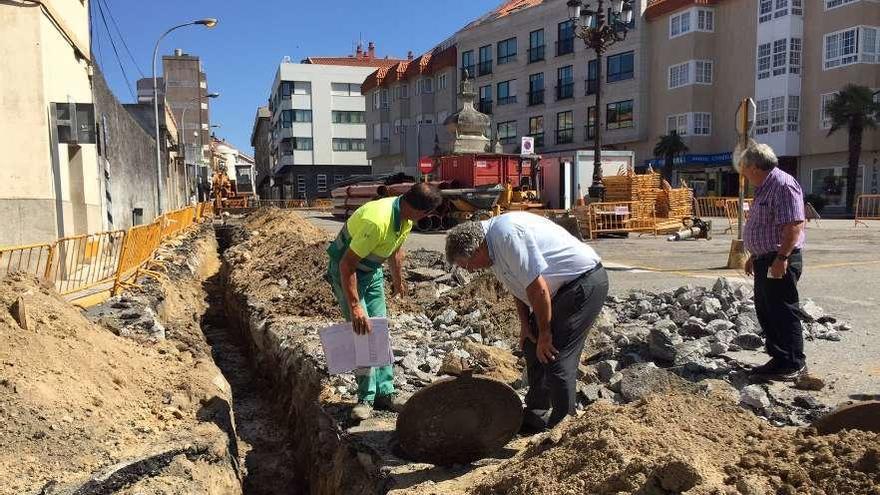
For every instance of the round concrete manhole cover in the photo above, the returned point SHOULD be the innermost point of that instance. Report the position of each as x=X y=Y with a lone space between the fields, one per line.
x=459 y=420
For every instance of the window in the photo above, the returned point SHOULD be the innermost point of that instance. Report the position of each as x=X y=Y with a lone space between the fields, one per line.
x=830 y=183
x=565 y=38
x=536 y=130
x=679 y=75
x=485 y=103
x=702 y=124
x=619 y=115
x=442 y=82
x=425 y=85
x=794 y=113
x=592 y=77
x=302 y=143
x=774 y=9
x=620 y=67
x=467 y=63
x=777 y=114
x=833 y=4
x=345 y=89
x=286 y=89
x=302 y=88
x=678 y=124
x=536 y=46
x=321 y=179
x=377 y=132
x=288 y=117
x=703 y=71
x=507 y=92
x=485 y=63
x=592 y=120
x=564 y=82
x=404 y=91
x=779 y=56
x=507 y=132
x=338 y=178
x=349 y=144
x=794 y=55
x=824 y=117
x=301 y=185
x=385 y=103
x=564 y=127
x=536 y=89
x=762 y=117
x=764 y=61
x=376 y=99
x=870 y=43
x=680 y=24
x=841 y=48
x=506 y=51
x=347 y=117
x=705 y=20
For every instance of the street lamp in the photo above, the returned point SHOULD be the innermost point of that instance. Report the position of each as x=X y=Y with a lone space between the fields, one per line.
x=208 y=23
x=599 y=34
x=197 y=100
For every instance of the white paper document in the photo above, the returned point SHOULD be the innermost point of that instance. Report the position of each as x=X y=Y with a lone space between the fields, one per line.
x=346 y=351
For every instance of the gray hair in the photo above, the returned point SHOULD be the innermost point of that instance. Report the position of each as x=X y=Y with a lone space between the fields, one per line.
x=760 y=155
x=464 y=240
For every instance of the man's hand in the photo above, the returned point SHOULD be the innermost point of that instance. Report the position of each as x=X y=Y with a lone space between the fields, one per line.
x=750 y=266
x=400 y=290
x=546 y=352
x=525 y=332
x=778 y=269
x=359 y=321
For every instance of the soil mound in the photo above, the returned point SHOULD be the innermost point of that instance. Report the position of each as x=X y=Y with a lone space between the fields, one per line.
x=687 y=443
x=484 y=291
x=75 y=398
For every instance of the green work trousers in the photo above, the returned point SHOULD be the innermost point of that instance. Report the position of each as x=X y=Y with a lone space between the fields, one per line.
x=371 y=290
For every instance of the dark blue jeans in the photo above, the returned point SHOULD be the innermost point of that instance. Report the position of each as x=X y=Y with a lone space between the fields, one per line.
x=778 y=306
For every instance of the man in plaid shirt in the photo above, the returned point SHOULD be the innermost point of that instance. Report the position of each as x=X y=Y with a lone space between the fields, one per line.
x=774 y=235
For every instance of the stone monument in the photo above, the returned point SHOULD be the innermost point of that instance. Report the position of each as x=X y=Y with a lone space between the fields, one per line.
x=468 y=126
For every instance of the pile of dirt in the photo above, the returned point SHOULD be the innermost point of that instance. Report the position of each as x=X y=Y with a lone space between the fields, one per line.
x=76 y=398
x=687 y=443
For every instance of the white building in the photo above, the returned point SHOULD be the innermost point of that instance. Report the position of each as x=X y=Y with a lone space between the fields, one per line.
x=318 y=126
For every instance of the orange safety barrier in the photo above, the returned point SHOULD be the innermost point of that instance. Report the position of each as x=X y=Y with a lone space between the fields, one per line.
x=84 y=261
x=280 y=203
x=712 y=206
x=621 y=217
x=867 y=208
x=33 y=259
x=322 y=204
x=731 y=206
x=140 y=245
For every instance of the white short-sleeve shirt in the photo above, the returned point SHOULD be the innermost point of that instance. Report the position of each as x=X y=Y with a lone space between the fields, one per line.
x=523 y=246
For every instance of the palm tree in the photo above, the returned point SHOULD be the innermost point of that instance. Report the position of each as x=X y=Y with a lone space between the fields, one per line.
x=854 y=108
x=669 y=146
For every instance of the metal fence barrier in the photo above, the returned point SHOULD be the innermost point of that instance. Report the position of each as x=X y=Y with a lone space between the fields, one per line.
x=34 y=259
x=621 y=217
x=712 y=206
x=83 y=261
x=867 y=208
x=732 y=208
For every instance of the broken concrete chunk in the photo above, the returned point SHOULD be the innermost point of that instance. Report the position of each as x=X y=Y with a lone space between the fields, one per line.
x=20 y=313
x=640 y=380
x=425 y=274
x=755 y=397
x=447 y=317
x=661 y=344
x=606 y=369
x=811 y=311
x=748 y=341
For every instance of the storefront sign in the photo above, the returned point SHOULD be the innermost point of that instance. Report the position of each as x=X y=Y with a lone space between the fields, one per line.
x=717 y=159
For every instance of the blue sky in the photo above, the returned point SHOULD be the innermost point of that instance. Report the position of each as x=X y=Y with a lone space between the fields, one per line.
x=242 y=53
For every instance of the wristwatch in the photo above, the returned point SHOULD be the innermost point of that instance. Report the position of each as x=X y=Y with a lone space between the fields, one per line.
x=782 y=257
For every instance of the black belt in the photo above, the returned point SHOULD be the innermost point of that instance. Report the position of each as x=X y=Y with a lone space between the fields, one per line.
x=772 y=254
x=581 y=277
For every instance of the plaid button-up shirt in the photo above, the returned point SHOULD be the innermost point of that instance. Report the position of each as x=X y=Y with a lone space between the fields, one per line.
x=778 y=201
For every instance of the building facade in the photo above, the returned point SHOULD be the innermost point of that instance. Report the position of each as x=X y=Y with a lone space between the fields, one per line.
x=52 y=185
x=261 y=136
x=319 y=132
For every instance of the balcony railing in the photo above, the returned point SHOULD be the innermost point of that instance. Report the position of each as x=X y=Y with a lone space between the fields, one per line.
x=592 y=85
x=539 y=139
x=507 y=100
x=485 y=67
x=536 y=54
x=485 y=106
x=536 y=97
x=564 y=46
x=471 y=72
x=564 y=90
x=564 y=136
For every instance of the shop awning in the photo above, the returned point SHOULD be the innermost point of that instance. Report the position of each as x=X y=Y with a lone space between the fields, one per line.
x=713 y=160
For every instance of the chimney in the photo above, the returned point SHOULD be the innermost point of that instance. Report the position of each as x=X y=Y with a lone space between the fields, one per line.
x=409 y=55
x=178 y=52
x=371 y=50
x=359 y=53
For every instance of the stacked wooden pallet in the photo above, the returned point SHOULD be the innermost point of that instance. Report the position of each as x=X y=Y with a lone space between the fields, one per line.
x=630 y=186
x=675 y=203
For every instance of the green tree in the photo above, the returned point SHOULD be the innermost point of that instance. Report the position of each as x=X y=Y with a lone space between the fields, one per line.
x=855 y=109
x=668 y=147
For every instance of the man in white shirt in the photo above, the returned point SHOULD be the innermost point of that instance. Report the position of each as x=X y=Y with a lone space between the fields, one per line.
x=560 y=287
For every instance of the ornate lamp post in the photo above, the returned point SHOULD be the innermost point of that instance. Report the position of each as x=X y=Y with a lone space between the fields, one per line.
x=599 y=33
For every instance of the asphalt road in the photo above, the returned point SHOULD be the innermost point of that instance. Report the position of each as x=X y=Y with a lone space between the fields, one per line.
x=841 y=274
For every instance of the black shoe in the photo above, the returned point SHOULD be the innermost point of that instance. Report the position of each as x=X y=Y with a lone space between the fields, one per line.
x=778 y=371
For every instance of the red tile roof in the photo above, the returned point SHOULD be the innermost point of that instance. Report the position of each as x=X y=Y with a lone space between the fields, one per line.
x=427 y=63
x=657 y=8
x=506 y=8
x=352 y=61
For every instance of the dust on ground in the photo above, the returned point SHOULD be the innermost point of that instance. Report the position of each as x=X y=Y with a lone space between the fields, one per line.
x=75 y=397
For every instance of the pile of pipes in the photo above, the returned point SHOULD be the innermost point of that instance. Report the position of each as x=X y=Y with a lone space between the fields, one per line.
x=347 y=199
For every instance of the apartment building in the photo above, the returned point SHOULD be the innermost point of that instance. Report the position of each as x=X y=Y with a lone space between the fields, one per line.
x=790 y=56
x=319 y=131
x=261 y=136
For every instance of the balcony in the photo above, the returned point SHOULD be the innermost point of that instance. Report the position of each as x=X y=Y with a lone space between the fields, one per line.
x=536 y=97
x=484 y=68
x=564 y=46
x=564 y=136
x=485 y=106
x=507 y=100
x=592 y=85
x=564 y=90
x=536 y=54
x=471 y=71
x=539 y=139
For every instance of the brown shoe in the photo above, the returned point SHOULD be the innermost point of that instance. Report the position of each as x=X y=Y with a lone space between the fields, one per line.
x=391 y=402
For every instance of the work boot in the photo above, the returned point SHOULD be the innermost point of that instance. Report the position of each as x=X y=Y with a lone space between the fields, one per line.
x=391 y=402
x=362 y=411
x=774 y=370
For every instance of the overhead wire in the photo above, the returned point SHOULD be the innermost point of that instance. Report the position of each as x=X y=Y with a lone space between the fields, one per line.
x=121 y=38
x=116 y=52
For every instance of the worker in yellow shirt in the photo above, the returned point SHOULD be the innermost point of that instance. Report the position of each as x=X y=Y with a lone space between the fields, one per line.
x=373 y=234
